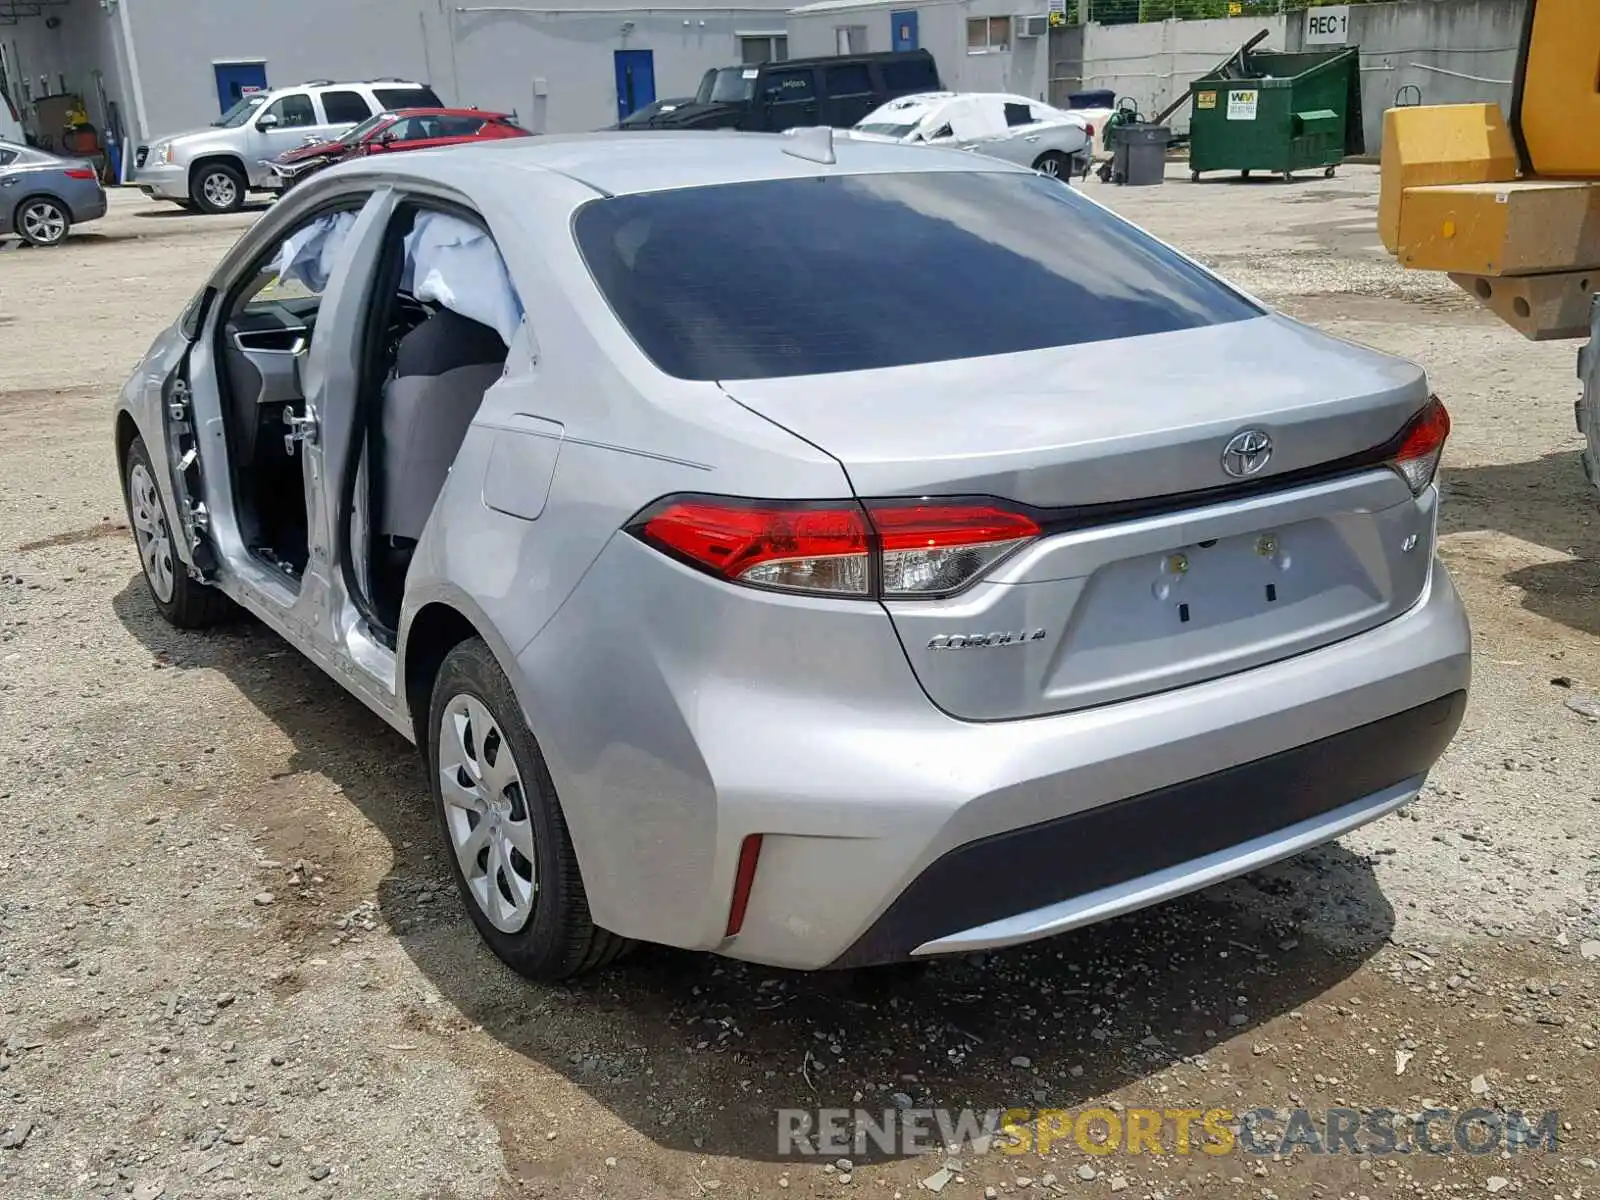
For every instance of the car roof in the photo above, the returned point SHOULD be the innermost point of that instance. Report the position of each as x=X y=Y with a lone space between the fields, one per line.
x=426 y=111
x=626 y=162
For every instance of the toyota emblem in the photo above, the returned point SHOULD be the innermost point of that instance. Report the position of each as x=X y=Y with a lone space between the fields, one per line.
x=1246 y=453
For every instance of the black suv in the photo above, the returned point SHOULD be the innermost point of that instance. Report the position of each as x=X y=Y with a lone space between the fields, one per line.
x=775 y=96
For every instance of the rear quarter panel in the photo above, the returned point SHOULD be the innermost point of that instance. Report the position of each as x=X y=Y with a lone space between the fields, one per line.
x=582 y=406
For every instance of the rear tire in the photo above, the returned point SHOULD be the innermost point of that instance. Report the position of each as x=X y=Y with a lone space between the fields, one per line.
x=217 y=187
x=184 y=601
x=1054 y=164
x=530 y=908
x=42 y=221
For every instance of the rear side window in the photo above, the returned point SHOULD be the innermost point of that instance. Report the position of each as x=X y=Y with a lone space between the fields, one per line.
x=909 y=74
x=345 y=108
x=860 y=272
x=853 y=79
x=781 y=87
x=410 y=97
x=441 y=127
x=1018 y=114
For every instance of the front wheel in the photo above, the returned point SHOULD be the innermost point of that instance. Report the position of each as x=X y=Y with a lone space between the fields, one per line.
x=184 y=601
x=1054 y=164
x=218 y=188
x=504 y=832
x=43 y=221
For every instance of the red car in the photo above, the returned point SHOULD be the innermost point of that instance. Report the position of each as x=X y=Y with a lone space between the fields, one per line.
x=391 y=132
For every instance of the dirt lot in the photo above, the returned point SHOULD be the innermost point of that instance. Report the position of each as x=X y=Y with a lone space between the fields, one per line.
x=231 y=963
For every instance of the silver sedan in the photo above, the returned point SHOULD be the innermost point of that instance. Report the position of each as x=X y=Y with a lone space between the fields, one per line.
x=43 y=196
x=806 y=549
x=1027 y=132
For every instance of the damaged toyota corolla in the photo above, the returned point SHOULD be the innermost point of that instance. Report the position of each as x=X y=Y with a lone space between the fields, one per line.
x=651 y=486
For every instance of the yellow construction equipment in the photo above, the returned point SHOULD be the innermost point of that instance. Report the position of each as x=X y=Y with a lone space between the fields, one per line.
x=1511 y=208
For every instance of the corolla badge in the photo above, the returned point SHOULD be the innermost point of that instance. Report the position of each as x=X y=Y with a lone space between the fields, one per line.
x=1246 y=453
x=984 y=641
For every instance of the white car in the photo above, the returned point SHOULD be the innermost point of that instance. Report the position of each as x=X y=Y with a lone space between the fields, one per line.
x=1015 y=128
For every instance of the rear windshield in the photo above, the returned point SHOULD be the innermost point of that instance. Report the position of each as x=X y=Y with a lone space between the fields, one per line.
x=858 y=272
x=408 y=97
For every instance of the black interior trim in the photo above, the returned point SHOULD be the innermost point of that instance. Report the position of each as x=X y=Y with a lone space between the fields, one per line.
x=1038 y=865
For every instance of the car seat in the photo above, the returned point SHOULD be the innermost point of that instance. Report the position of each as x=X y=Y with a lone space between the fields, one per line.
x=443 y=367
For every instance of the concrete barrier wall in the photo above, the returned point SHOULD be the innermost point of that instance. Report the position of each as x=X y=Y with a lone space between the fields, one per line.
x=1448 y=51
x=1155 y=62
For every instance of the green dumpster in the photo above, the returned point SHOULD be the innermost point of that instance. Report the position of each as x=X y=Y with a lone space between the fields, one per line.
x=1272 y=111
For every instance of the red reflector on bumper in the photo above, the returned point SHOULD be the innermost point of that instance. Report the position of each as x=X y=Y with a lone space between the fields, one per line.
x=743 y=880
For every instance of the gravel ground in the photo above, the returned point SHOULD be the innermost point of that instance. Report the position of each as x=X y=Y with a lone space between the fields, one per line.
x=231 y=963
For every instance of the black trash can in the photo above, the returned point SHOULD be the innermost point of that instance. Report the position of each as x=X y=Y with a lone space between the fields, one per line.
x=1139 y=153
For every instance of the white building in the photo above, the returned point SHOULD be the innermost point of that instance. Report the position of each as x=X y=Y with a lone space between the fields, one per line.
x=979 y=45
x=167 y=65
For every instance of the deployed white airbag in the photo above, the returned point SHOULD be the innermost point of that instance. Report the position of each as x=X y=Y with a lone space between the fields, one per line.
x=308 y=254
x=453 y=263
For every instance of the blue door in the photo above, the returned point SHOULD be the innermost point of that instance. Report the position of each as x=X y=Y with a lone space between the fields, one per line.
x=236 y=80
x=903 y=30
x=636 y=80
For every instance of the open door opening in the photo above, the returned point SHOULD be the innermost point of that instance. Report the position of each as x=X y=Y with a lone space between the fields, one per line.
x=437 y=338
x=263 y=337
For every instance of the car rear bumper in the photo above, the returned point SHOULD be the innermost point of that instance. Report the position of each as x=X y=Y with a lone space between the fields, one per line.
x=679 y=725
x=90 y=208
x=170 y=182
x=1011 y=888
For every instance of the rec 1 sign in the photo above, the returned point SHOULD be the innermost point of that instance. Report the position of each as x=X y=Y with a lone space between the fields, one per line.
x=1328 y=24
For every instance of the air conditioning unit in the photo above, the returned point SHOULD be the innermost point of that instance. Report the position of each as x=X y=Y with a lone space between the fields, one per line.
x=1033 y=27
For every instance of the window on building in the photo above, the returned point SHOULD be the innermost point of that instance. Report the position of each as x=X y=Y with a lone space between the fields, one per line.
x=988 y=35
x=345 y=108
x=293 y=111
x=758 y=48
x=850 y=39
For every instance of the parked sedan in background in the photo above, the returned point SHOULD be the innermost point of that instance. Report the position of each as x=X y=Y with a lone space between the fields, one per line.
x=1015 y=128
x=389 y=132
x=43 y=196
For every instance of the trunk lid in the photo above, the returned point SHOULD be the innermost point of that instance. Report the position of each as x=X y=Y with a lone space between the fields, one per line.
x=1158 y=569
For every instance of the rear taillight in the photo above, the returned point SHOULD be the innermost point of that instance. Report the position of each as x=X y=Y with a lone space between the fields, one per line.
x=1422 y=445
x=933 y=549
x=79 y=173
x=896 y=549
x=1089 y=129
x=794 y=547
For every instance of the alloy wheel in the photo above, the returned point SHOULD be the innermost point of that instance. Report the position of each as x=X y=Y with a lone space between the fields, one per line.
x=1050 y=167
x=43 y=222
x=151 y=533
x=220 y=190
x=486 y=812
